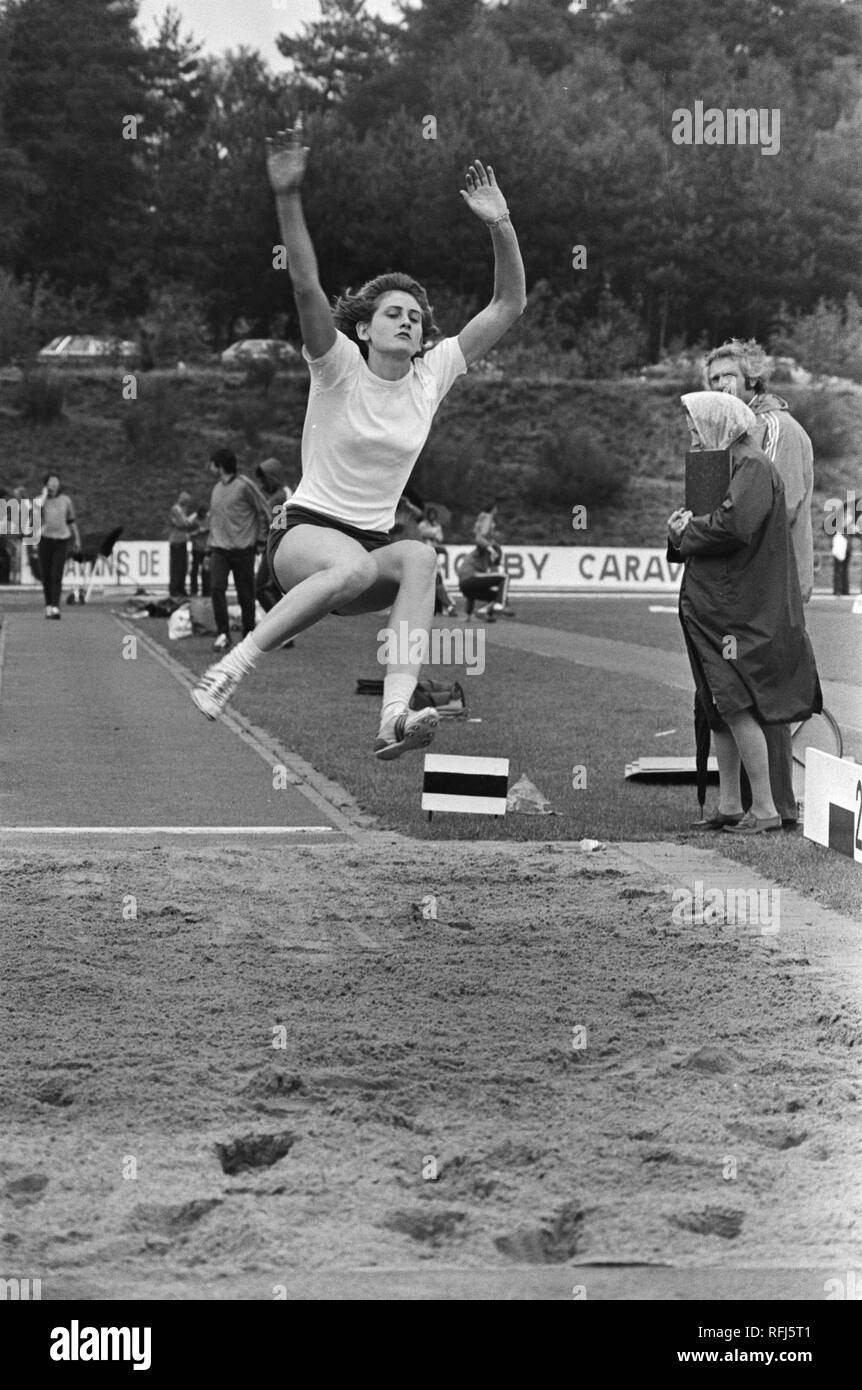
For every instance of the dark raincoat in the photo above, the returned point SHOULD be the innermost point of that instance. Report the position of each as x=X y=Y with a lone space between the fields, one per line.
x=741 y=582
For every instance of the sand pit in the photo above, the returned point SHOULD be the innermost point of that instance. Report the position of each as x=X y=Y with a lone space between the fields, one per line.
x=227 y=1069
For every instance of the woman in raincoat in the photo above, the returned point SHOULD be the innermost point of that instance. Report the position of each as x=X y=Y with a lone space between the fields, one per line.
x=741 y=611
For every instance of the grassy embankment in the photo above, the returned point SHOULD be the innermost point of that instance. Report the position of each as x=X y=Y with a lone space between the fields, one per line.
x=490 y=438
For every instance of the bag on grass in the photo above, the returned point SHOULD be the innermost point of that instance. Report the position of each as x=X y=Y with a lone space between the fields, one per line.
x=201 y=611
x=447 y=697
x=180 y=623
x=163 y=607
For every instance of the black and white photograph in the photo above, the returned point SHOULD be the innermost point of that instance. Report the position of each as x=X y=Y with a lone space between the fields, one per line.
x=431 y=668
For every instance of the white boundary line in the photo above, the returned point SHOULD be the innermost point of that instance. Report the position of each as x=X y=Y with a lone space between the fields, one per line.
x=169 y=830
x=266 y=747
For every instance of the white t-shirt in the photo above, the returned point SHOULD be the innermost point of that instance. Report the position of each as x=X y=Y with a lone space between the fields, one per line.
x=362 y=434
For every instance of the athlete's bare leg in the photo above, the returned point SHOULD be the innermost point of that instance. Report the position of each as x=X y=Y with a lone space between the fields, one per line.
x=325 y=571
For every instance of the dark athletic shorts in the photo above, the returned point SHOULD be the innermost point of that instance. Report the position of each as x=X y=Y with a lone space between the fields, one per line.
x=292 y=516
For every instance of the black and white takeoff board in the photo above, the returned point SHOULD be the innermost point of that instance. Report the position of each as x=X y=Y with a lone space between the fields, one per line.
x=478 y=786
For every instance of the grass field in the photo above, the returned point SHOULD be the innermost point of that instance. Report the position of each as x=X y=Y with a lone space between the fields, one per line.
x=547 y=716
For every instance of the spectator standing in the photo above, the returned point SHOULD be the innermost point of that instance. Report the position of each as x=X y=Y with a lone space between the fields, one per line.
x=18 y=545
x=407 y=517
x=239 y=520
x=741 y=369
x=431 y=532
x=6 y=542
x=840 y=564
x=270 y=479
x=57 y=527
x=485 y=529
x=269 y=476
x=200 y=555
x=183 y=523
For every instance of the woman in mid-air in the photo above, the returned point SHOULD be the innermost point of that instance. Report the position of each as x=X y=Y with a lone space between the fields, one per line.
x=372 y=397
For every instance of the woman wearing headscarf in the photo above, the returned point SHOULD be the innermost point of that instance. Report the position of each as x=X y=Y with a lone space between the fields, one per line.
x=741 y=611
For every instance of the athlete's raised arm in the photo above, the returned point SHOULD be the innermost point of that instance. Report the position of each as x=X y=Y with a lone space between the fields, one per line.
x=484 y=198
x=286 y=158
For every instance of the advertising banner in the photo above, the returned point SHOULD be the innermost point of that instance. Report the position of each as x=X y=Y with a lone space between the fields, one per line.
x=532 y=569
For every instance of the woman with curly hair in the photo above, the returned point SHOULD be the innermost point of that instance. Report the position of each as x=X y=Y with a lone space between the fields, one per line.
x=372 y=398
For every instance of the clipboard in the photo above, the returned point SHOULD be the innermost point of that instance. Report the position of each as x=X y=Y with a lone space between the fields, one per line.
x=707 y=479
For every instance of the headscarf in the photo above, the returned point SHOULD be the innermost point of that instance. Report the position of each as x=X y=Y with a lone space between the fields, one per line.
x=719 y=419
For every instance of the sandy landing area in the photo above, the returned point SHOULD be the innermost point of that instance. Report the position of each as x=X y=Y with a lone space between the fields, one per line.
x=281 y=1067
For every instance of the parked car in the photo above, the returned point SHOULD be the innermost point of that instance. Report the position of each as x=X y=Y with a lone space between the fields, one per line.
x=77 y=350
x=256 y=349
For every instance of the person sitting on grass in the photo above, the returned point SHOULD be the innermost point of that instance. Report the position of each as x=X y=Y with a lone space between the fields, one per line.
x=480 y=577
x=372 y=399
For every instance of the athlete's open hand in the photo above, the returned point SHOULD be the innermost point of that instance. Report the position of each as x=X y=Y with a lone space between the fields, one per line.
x=286 y=158
x=482 y=195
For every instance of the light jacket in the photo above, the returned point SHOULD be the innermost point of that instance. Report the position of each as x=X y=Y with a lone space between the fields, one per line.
x=786 y=443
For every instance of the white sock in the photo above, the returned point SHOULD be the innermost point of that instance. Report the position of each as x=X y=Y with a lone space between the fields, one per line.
x=397 y=690
x=243 y=658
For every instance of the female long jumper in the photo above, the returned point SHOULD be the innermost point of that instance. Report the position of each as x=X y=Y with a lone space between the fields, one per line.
x=372 y=398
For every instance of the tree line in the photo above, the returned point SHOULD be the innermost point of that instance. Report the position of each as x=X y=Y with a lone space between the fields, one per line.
x=168 y=221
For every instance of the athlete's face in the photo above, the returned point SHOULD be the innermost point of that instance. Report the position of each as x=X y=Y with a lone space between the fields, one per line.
x=396 y=325
x=53 y=485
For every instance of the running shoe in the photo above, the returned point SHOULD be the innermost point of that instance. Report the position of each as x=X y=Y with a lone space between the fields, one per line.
x=221 y=643
x=214 y=689
x=412 y=729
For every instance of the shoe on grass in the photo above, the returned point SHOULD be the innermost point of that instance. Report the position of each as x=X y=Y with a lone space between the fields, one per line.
x=213 y=690
x=717 y=821
x=412 y=729
x=222 y=643
x=754 y=825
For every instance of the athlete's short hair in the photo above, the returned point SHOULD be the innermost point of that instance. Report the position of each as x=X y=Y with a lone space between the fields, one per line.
x=225 y=459
x=752 y=360
x=358 y=306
